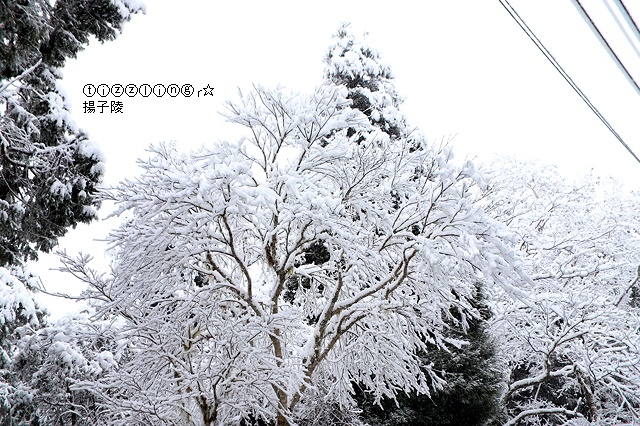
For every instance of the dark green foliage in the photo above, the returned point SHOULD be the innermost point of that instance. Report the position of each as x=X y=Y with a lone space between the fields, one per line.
x=317 y=254
x=48 y=168
x=252 y=421
x=634 y=297
x=49 y=172
x=74 y=21
x=470 y=396
x=553 y=392
x=34 y=29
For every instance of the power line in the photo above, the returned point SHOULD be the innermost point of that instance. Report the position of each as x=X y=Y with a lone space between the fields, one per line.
x=625 y=13
x=628 y=17
x=574 y=86
x=605 y=43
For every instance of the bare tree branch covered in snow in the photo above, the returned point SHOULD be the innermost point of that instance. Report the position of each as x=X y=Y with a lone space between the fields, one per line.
x=331 y=248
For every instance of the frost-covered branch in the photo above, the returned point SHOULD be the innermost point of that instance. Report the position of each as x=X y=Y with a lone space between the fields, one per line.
x=540 y=411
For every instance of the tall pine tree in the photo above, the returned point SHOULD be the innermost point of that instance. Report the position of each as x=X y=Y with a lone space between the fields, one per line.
x=49 y=169
x=358 y=67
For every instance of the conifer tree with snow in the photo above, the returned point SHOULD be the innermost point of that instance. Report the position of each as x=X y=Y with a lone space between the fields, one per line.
x=471 y=393
x=49 y=169
x=352 y=63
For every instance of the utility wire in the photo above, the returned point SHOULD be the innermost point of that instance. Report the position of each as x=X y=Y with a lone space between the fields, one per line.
x=574 y=86
x=628 y=17
x=625 y=13
x=605 y=44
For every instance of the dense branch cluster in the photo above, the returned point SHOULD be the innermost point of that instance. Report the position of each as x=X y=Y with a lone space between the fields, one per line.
x=574 y=346
x=202 y=267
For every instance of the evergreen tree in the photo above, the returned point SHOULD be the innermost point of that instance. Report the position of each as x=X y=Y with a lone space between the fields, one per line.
x=49 y=169
x=352 y=63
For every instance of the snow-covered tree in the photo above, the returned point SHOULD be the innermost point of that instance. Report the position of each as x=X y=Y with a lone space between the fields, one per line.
x=351 y=62
x=573 y=348
x=19 y=317
x=54 y=361
x=48 y=168
x=472 y=376
x=201 y=265
x=353 y=65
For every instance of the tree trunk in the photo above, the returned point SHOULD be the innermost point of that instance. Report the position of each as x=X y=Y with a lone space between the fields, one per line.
x=281 y=421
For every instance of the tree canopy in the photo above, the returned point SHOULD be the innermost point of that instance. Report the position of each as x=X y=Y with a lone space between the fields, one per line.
x=572 y=348
x=202 y=266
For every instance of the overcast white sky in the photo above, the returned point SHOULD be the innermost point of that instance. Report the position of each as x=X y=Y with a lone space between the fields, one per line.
x=464 y=67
